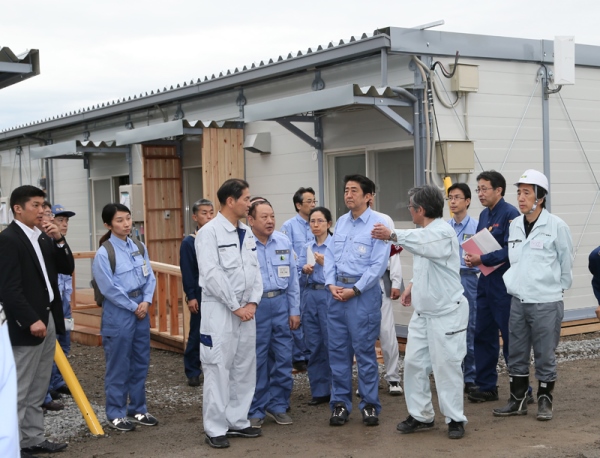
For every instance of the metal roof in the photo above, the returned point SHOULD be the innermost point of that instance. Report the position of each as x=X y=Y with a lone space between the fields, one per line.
x=16 y=68
x=275 y=67
x=75 y=149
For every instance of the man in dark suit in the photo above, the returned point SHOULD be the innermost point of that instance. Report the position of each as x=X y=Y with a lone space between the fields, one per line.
x=31 y=262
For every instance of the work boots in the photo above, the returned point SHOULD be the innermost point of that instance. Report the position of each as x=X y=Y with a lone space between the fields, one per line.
x=544 y=396
x=517 y=403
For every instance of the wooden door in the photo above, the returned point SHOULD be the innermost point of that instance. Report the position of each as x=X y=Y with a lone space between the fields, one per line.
x=163 y=209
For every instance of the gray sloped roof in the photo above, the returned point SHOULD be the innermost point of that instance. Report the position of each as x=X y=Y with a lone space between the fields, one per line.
x=16 y=68
x=322 y=55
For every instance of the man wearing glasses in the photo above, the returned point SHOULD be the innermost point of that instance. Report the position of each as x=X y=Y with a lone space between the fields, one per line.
x=493 y=302
x=298 y=231
x=459 y=198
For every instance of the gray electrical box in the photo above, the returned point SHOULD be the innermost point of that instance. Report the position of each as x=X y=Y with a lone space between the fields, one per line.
x=131 y=196
x=457 y=156
x=465 y=79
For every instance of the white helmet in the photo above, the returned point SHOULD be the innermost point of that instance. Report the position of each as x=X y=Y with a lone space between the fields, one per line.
x=535 y=178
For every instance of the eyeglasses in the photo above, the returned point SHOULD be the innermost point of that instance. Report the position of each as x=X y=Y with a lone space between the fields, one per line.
x=452 y=198
x=483 y=189
x=414 y=207
x=310 y=202
x=317 y=221
x=49 y=214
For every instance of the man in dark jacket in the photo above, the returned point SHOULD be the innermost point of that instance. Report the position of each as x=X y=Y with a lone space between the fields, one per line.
x=31 y=262
x=202 y=212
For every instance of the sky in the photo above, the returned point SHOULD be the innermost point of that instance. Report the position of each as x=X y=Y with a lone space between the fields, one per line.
x=95 y=52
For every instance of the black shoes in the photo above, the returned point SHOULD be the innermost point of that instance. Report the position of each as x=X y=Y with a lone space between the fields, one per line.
x=339 y=416
x=369 y=415
x=483 y=396
x=194 y=381
x=300 y=366
x=249 y=432
x=470 y=387
x=315 y=401
x=63 y=390
x=53 y=406
x=411 y=425
x=456 y=429
x=45 y=447
x=217 y=441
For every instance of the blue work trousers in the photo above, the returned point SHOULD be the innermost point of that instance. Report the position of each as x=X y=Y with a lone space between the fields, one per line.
x=299 y=350
x=469 y=282
x=353 y=328
x=191 y=356
x=493 y=312
x=314 y=320
x=126 y=342
x=273 y=357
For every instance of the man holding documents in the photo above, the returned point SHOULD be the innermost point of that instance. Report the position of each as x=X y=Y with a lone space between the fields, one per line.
x=437 y=330
x=493 y=302
x=541 y=254
x=459 y=199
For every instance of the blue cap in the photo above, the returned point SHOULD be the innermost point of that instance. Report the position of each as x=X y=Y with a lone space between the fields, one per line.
x=59 y=210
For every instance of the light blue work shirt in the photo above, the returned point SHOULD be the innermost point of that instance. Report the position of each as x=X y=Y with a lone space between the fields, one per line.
x=318 y=275
x=354 y=253
x=129 y=274
x=278 y=269
x=436 y=288
x=541 y=264
x=466 y=229
x=298 y=231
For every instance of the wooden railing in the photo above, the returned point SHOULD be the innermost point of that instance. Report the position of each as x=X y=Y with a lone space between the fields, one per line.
x=169 y=318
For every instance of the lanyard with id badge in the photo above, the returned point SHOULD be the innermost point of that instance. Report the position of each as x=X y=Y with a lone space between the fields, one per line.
x=145 y=270
x=283 y=271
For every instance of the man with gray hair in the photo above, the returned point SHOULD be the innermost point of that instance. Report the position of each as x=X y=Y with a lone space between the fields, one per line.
x=203 y=211
x=437 y=330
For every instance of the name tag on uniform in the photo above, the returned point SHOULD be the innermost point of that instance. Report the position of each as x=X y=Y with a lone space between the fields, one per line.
x=250 y=244
x=282 y=251
x=135 y=253
x=283 y=271
x=145 y=269
x=537 y=244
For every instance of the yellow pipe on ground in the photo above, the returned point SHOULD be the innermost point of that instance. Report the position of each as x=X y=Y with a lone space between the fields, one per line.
x=447 y=184
x=77 y=392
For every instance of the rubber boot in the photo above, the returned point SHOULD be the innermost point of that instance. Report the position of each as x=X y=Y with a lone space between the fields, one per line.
x=517 y=403
x=544 y=396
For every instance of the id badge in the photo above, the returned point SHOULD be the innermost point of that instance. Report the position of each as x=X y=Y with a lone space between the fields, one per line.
x=250 y=244
x=283 y=271
x=537 y=244
x=145 y=270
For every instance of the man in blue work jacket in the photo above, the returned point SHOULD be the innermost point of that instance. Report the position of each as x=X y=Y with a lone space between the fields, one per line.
x=459 y=199
x=493 y=302
x=354 y=263
x=298 y=231
x=202 y=212
x=277 y=315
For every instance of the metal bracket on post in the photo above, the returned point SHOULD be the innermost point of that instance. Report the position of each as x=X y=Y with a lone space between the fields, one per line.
x=287 y=123
x=241 y=102
x=129 y=123
x=179 y=114
x=318 y=84
x=86 y=135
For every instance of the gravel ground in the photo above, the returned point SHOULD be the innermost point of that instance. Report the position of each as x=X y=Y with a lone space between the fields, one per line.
x=168 y=393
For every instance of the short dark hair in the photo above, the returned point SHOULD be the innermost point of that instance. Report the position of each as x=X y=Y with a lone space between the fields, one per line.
x=234 y=187
x=297 y=199
x=366 y=184
x=201 y=203
x=464 y=187
x=23 y=194
x=429 y=198
x=47 y=204
x=255 y=202
x=495 y=178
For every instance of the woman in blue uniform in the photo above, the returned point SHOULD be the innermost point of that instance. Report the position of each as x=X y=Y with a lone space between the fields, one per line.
x=314 y=300
x=125 y=327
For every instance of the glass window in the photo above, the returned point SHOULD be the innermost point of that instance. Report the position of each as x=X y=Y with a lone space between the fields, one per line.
x=394 y=176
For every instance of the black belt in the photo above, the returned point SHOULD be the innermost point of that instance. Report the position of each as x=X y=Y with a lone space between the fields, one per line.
x=315 y=286
x=467 y=272
x=136 y=293
x=270 y=294
x=347 y=279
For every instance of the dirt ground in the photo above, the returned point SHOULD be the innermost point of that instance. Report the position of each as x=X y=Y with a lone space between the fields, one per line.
x=574 y=431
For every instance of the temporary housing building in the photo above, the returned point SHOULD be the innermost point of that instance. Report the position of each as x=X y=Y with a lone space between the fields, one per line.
x=403 y=106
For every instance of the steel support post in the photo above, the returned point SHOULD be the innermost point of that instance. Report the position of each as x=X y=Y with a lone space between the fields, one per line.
x=320 y=158
x=546 y=132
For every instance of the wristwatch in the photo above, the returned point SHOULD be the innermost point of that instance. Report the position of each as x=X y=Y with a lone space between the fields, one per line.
x=393 y=237
x=356 y=291
x=60 y=240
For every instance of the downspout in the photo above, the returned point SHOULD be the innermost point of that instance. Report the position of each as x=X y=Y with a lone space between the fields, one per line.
x=416 y=130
